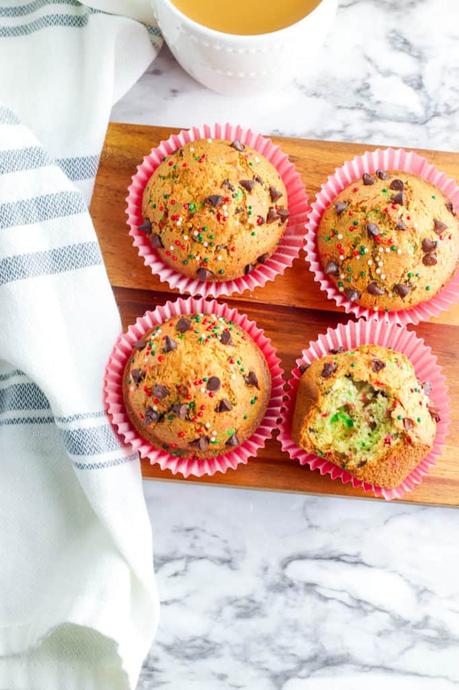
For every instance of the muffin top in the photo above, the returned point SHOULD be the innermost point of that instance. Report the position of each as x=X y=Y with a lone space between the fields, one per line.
x=389 y=241
x=215 y=209
x=196 y=385
x=362 y=406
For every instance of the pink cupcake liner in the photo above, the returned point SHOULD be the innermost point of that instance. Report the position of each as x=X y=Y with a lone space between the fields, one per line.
x=113 y=388
x=351 y=171
x=349 y=336
x=291 y=241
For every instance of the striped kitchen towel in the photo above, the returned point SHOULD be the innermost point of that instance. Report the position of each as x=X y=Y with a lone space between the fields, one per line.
x=78 y=606
x=62 y=67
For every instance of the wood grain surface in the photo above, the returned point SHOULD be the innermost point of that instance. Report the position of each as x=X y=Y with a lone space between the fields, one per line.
x=292 y=310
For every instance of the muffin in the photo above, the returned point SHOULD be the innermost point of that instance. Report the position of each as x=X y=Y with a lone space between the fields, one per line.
x=389 y=241
x=196 y=386
x=365 y=411
x=214 y=209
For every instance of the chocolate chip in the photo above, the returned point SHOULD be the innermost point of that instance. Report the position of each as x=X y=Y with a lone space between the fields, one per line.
x=213 y=383
x=248 y=185
x=150 y=416
x=225 y=337
x=340 y=207
x=331 y=268
x=450 y=208
x=283 y=214
x=397 y=185
x=367 y=179
x=427 y=387
x=139 y=345
x=138 y=375
x=402 y=289
x=145 y=227
x=261 y=259
x=329 y=369
x=352 y=294
x=232 y=441
x=429 y=259
x=272 y=215
x=214 y=200
x=248 y=268
x=169 y=344
x=157 y=242
x=183 y=325
x=251 y=379
x=377 y=364
x=362 y=463
x=408 y=424
x=303 y=367
x=375 y=289
x=439 y=226
x=227 y=185
x=204 y=274
x=160 y=391
x=400 y=225
x=337 y=350
x=433 y=413
x=258 y=179
x=382 y=174
x=372 y=230
x=237 y=145
x=275 y=193
x=398 y=198
x=180 y=410
x=202 y=443
x=224 y=406
x=428 y=245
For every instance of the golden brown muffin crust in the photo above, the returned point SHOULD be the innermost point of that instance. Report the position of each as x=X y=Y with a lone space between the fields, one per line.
x=215 y=209
x=413 y=419
x=389 y=241
x=196 y=386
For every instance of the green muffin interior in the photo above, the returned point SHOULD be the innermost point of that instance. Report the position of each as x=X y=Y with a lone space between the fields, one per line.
x=355 y=422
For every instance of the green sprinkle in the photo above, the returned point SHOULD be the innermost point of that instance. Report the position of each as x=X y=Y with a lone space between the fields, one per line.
x=349 y=279
x=409 y=274
x=342 y=417
x=417 y=275
x=384 y=190
x=418 y=419
x=166 y=196
x=221 y=271
x=205 y=379
x=428 y=288
x=211 y=244
x=327 y=239
x=192 y=207
x=214 y=440
x=340 y=283
x=245 y=417
x=253 y=233
x=349 y=269
x=211 y=237
x=185 y=261
x=355 y=222
x=241 y=369
x=352 y=364
x=191 y=405
x=433 y=196
x=362 y=250
x=393 y=248
x=253 y=401
x=362 y=274
x=199 y=237
x=153 y=205
x=399 y=416
x=230 y=432
x=170 y=417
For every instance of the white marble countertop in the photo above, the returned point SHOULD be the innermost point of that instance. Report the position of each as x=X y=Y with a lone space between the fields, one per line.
x=273 y=591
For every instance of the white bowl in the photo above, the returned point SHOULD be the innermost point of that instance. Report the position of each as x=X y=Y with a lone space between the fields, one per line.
x=241 y=65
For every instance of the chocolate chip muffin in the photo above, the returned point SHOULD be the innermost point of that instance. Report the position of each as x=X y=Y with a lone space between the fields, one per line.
x=196 y=386
x=214 y=210
x=389 y=241
x=365 y=411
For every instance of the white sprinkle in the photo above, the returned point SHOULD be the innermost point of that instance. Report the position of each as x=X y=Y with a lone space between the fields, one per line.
x=191 y=149
x=209 y=141
x=205 y=244
x=207 y=425
x=214 y=433
x=378 y=271
x=358 y=257
x=341 y=289
x=339 y=236
x=195 y=233
x=383 y=277
x=225 y=215
x=203 y=390
x=233 y=377
x=381 y=249
x=132 y=388
x=198 y=258
x=387 y=250
x=370 y=262
x=399 y=251
x=380 y=263
x=257 y=160
x=155 y=407
x=236 y=222
x=220 y=258
x=375 y=308
x=341 y=257
x=185 y=237
x=179 y=222
x=225 y=208
x=171 y=248
x=341 y=275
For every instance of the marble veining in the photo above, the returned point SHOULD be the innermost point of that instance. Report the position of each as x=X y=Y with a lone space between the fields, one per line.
x=269 y=591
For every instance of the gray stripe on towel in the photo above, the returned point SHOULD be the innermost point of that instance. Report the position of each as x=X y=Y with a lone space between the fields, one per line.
x=61 y=260
x=90 y=441
x=39 y=209
x=22 y=10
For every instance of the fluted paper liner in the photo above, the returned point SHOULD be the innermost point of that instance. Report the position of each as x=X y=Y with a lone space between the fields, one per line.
x=113 y=389
x=352 y=171
x=289 y=245
x=349 y=336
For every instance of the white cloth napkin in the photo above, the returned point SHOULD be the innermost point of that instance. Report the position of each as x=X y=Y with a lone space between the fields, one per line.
x=78 y=606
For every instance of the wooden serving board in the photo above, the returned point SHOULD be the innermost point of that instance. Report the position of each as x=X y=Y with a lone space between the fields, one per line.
x=292 y=310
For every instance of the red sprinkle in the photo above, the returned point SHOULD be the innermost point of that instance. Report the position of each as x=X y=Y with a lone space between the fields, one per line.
x=200 y=414
x=211 y=394
x=170 y=163
x=160 y=358
x=355 y=189
x=181 y=434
